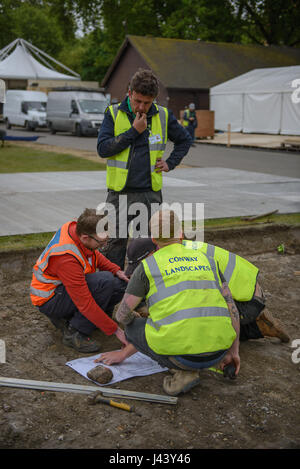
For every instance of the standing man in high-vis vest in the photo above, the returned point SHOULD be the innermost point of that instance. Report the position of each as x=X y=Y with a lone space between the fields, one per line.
x=75 y=286
x=190 y=120
x=133 y=139
x=193 y=322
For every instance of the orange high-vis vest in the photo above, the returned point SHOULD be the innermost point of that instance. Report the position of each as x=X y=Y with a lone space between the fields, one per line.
x=43 y=285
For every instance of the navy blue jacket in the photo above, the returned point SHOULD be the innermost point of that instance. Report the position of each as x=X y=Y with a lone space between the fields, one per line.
x=139 y=177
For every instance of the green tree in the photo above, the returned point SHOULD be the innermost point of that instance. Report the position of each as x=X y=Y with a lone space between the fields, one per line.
x=7 y=8
x=38 y=27
x=204 y=19
x=88 y=56
x=47 y=24
x=269 y=22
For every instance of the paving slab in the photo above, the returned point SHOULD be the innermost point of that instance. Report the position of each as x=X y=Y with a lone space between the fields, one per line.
x=41 y=202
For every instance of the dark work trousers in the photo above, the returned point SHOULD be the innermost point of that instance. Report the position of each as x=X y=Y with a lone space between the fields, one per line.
x=249 y=311
x=106 y=290
x=125 y=213
x=191 y=130
x=135 y=334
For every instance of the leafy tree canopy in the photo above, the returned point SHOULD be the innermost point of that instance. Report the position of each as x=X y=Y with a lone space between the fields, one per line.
x=86 y=34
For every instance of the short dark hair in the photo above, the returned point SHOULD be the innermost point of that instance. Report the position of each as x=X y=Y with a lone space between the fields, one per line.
x=144 y=82
x=87 y=222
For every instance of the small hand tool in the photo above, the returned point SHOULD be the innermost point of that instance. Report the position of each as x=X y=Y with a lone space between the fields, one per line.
x=96 y=397
x=228 y=372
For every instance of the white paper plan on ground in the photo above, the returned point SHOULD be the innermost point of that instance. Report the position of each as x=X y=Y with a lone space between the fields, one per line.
x=136 y=365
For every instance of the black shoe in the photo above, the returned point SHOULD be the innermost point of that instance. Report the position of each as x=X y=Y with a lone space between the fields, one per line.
x=80 y=342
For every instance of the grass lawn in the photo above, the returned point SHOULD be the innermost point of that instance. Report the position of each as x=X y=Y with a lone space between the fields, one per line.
x=21 y=242
x=17 y=159
x=235 y=222
x=40 y=240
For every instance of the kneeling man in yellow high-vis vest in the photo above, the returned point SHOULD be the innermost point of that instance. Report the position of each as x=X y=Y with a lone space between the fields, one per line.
x=193 y=321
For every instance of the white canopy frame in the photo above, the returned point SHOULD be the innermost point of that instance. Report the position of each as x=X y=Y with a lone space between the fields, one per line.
x=31 y=53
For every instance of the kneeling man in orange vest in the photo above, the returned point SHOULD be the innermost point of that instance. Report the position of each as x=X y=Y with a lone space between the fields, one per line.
x=77 y=287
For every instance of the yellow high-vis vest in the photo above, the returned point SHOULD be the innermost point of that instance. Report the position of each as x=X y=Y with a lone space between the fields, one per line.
x=117 y=165
x=187 y=312
x=186 y=122
x=240 y=274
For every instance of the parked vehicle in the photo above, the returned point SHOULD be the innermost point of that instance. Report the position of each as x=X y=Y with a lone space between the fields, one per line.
x=77 y=110
x=25 y=108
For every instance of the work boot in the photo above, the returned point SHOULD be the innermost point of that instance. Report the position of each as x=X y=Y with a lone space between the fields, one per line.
x=181 y=381
x=271 y=327
x=80 y=342
x=60 y=323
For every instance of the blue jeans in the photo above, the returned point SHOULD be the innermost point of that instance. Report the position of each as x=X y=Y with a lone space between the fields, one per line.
x=135 y=334
x=106 y=290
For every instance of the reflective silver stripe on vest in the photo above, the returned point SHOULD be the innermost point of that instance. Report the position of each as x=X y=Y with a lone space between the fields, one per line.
x=213 y=266
x=230 y=267
x=41 y=293
x=40 y=277
x=190 y=313
x=116 y=163
x=115 y=108
x=164 y=292
x=64 y=247
x=160 y=146
x=163 y=121
x=157 y=146
x=210 y=250
x=186 y=285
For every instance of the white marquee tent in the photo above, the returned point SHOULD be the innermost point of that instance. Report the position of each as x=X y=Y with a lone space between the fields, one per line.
x=21 y=64
x=263 y=100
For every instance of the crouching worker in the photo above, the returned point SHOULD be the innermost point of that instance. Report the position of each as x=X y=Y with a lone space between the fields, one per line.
x=75 y=286
x=193 y=322
x=241 y=276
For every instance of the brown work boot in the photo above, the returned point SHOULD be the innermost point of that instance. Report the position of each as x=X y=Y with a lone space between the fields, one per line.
x=271 y=327
x=181 y=381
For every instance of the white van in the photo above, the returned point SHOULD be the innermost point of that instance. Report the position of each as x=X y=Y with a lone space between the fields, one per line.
x=25 y=108
x=77 y=110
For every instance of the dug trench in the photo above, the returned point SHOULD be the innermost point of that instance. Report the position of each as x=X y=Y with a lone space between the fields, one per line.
x=260 y=409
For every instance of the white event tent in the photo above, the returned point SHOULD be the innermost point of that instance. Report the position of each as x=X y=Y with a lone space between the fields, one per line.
x=17 y=61
x=263 y=100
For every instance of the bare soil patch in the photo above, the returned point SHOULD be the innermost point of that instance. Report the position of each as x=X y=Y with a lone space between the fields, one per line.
x=260 y=409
